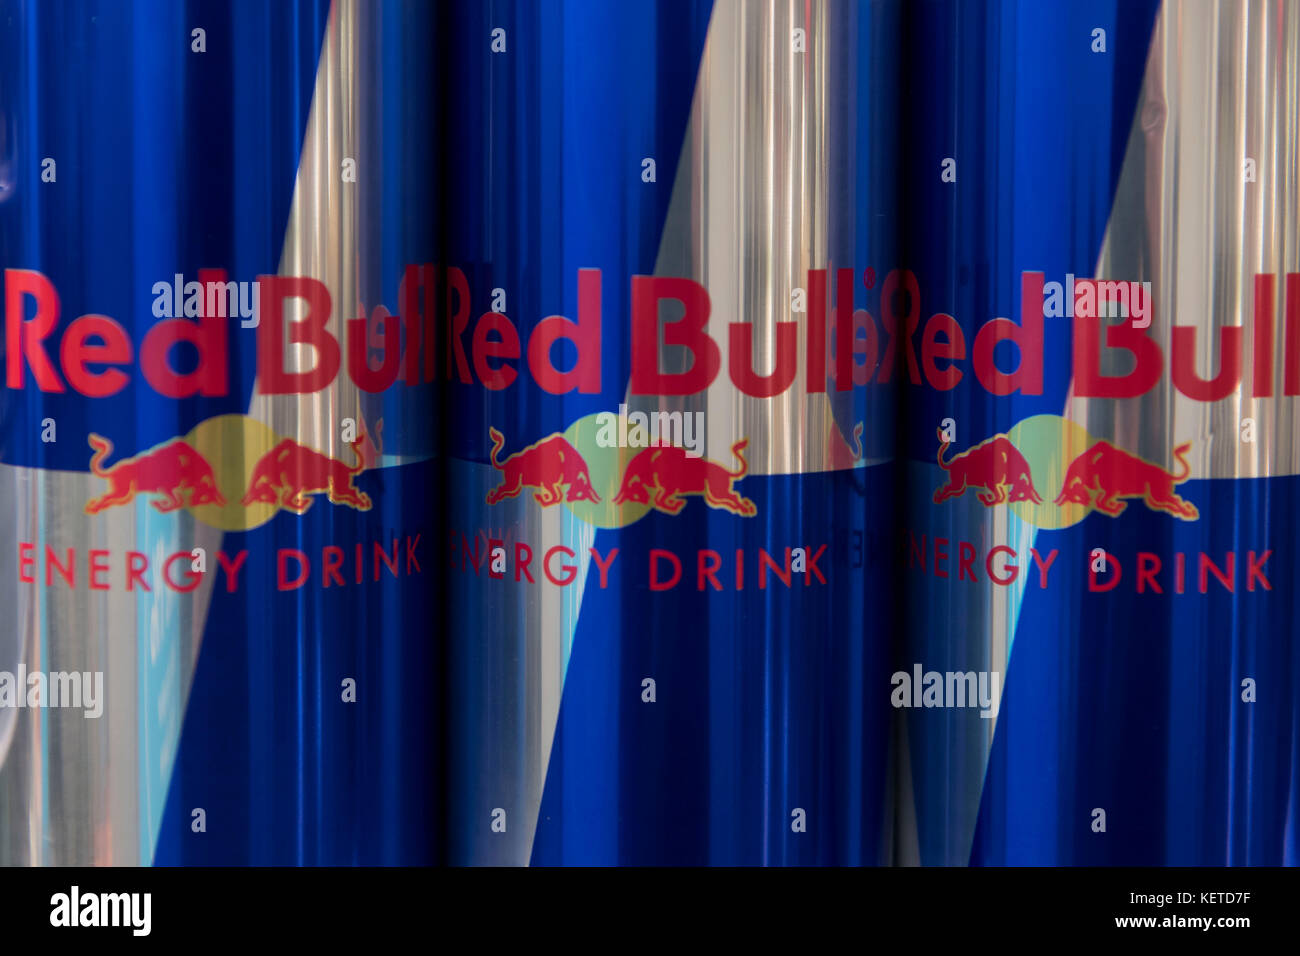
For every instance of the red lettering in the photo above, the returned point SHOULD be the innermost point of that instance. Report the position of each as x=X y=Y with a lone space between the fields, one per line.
x=98 y=568
x=373 y=379
x=940 y=554
x=603 y=564
x=843 y=331
x=26 y=559
x=136 y=565
x=272 y=378
x=1291 y=361
x=1255 y=569
x=380 y=553
x=688 y=332
x=1013 y=568
x=1224 y=577
x=194 y=576
x=765 y=561
x=76 y=354
x=69 y=573
x=282 y=581
x=866 y=345
x=584 y=334
x=889 y=319
x=570 y=570
x=710 y=572
x=1148 y=568
x=208 y=336
x=331 y=557
x=916 y=555
x=1262 y=361
x=1043 y=566
x=812 y=567
x=816 y=360
x=457 y=323
x=419 y=328
x=1183 y=364
x=232 y=569
x=740 y=359
x=23 y=338
x=656 y=555
x=495 y=377
x=1109 y=585
x=1028 y=339
x=523 y=554
x=1088 y=380
x=965 y=558
x=953 y=347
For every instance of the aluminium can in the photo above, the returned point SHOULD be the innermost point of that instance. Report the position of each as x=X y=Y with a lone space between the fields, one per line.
x=669 y=480
x=1102 y=538
x=216 y=501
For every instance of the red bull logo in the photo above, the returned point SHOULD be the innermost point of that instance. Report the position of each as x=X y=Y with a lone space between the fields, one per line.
x=232 y=472
x=425 y=343
x=670 y=474
x=552 y=465
x=174 y=471
x=291 y=471
x=600 y=484
x=995 y=465
x=1091 y=473
x=1104 y=474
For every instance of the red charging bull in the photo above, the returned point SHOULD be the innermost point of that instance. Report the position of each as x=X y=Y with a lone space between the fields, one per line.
x=216 y=445
x=178 y=474
x=552 y=466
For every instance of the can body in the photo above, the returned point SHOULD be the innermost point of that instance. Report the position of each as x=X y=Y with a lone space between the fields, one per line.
x=670 y=592
x=1101 y=541
x=216 y=493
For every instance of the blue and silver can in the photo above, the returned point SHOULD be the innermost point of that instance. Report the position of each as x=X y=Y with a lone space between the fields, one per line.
x=217 y=490
x=669 y=473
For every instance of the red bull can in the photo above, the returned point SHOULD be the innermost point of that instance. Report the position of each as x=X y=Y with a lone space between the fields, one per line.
x=216 y=444
x=667 y=546
x=1104 y=311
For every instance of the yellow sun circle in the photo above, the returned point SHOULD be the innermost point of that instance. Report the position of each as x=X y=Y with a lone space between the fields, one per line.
x=232 y=446
x=605 y=465
x=1049 y=444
